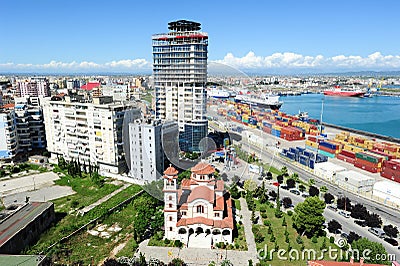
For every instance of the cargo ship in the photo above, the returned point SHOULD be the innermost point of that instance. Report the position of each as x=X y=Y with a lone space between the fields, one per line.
x=344 y=92
x=267 y=101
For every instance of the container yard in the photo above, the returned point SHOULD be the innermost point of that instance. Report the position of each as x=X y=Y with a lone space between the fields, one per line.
x=366 y=154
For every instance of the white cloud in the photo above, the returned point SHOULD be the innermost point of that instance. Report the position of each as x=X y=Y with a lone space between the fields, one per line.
x=276 y=61
x=298 y=61
x=58 y=66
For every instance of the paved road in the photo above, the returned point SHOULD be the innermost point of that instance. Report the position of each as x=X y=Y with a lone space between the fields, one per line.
x=41 y=195
x=27 y=183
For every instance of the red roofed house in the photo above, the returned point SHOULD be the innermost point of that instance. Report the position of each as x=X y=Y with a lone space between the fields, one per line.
x=199 y=211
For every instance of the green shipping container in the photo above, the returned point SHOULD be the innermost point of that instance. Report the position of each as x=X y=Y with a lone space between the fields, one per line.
x=367 y=157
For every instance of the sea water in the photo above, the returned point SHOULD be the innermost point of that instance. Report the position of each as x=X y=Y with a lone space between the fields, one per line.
x=378 y=114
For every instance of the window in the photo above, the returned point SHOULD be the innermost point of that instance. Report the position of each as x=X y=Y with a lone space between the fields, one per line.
x=216 y=214
x=170 y=205
x=169 y=197
x=183 y=213
x=170 y=229
x=170 y=218
x=200 y=209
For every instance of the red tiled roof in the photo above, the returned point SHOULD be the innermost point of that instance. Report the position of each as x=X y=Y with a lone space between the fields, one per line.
x=186 y=183
x=184 y=207
x=335 y=263
x=201 y=192
x=90 y=86
x=171 y=171
x=220 y=185
x=219 y=204
x=203 y=168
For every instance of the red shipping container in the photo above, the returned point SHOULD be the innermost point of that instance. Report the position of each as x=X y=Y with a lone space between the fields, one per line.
x=388 y=176
x=390 y=157
x=267 y=130
x=391 y=172
x=365 y=162
x=392 y=165
x=322 y=148
x=345 y=158
x=312 y=138
x=348 y=154
x=366 y=167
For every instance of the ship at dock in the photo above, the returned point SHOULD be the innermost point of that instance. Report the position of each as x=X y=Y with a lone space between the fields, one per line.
x=267 y=101
x=344 y=92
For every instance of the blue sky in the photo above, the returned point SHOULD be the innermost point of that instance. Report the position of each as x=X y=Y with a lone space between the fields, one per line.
x=86 y=35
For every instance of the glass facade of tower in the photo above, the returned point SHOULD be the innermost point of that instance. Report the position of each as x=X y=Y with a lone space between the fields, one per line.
x=180 y=76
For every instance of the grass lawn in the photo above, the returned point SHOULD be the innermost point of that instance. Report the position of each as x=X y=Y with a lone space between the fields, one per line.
x=237 y=204
x=279 y=233
x=84 y=247
x=148 y=96
x=67 y=223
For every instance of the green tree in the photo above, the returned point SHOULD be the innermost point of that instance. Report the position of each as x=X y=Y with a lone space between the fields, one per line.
x=284 y=171
x=374 y=248
x=308 y=218
x=295 y=177
x=250 y=185
x=235 y=191
x=323 y=189
x=184 y=175
x=144 y=210
x=311 y=182
x=302 y=188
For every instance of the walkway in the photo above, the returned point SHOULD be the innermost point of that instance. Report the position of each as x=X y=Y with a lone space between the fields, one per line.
x=203 y=256
x=103 y=199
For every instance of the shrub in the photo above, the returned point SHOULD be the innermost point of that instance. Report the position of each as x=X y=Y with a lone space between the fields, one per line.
x=290 y=213
x=332 y=240
x=166 y=241
x=267 y=223
x=299 y=240
x=278 y=213
x=272 y=239
x=270 y=230
x=263 y=209
x=264 y=215
x=74 y=204
x=314 y=239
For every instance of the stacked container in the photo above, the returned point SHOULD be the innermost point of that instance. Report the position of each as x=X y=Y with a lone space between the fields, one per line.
x=391 y=170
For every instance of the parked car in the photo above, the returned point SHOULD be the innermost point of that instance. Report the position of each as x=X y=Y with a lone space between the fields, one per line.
x=391 y=241
x=332 y=207
x=305 y=195
x=285 y=187
x=361 y=223
x=377 y=231
x=295 y=191
x=344 y=235
x=344 y=213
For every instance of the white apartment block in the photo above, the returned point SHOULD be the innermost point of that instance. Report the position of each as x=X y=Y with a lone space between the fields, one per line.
x=146 y=149
x=8 y=136
x=35 y=87
x=29 y=124
x=180 y=76
x=119 y=92
x=91 y=131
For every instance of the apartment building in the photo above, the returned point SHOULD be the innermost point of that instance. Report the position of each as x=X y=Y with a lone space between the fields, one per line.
x=90 y=131
x=29 y=124
x=147 y=155
x=35 y=87
x=180 y=76
x=8 y=135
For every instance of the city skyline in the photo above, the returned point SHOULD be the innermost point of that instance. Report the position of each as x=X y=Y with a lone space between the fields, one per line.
x=284 y=37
